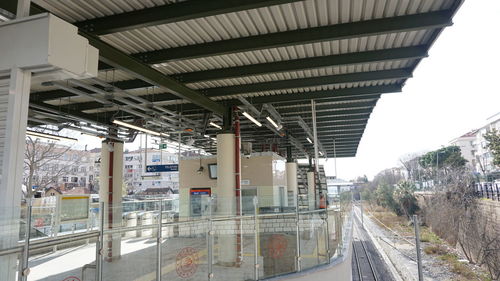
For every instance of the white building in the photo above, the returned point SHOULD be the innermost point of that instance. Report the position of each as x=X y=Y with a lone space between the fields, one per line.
x=136 y=177
x=337 y=186
x=484 y=156
x=467 y=147
x=474 y=147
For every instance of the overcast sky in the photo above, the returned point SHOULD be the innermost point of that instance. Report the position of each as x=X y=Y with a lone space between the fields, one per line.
x=452 y=91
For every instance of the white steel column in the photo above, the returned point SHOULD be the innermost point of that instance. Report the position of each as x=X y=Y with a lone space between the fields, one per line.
x=226 y=195
x=311 y=190
x=110 y=192
x=315 y=134
x=291 y=180
x=14 y=101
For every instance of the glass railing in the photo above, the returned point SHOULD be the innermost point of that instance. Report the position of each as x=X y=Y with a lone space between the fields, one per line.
x=156 y=243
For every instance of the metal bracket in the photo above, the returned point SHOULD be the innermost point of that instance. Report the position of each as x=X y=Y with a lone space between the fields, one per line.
x=26 y=271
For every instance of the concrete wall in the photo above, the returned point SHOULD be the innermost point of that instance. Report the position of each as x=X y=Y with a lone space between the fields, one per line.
x=263 y=171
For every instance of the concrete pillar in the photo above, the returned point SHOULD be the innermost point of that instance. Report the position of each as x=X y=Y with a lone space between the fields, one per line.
x=110 y=192
x=14 y=100
x=226 y=196
x=291 y=181
x=311 y=190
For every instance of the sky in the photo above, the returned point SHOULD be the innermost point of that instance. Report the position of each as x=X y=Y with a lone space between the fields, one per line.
x=452 y=91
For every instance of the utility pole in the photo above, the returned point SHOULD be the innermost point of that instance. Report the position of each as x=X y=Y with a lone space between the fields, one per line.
x=417 y=245
x=361 y=206
x=437 y=168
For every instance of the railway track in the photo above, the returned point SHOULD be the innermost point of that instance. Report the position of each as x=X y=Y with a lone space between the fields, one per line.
x=367 y=263
x=364 y=265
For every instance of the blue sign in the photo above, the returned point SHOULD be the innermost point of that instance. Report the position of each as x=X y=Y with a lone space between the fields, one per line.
x=162 y=168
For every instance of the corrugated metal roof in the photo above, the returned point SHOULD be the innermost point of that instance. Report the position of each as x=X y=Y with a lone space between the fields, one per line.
x=253 y=22
x=77 y=10
x=316 y=88
x=317 y=72
x=298 y=15
x=334 y=47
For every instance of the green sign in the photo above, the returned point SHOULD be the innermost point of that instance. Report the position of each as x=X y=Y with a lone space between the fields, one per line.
x=163 y=146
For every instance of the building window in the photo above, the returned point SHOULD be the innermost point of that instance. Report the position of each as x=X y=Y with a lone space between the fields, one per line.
x=155 y=158
x=129 y=158
x=65 y=179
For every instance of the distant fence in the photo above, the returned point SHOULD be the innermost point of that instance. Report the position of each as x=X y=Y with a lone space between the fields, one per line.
x=490 y=190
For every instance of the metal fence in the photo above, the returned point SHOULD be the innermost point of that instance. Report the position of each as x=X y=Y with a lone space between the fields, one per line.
x=157 y=246
x=489 y=190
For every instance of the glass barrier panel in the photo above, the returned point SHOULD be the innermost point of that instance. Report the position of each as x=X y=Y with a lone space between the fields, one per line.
x=73 y=259
x=12 y=232
x=184 y=250
x=130 y=244
x=233 y=249
x=334 y=231
x=277 y=244
x=309 y=235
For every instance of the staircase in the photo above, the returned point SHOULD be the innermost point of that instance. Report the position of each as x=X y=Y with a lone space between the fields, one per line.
x=321 y=187
x=302 y=170
x=302 y=186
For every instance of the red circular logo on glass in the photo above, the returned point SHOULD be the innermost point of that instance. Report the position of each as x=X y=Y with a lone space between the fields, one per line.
x=276 y=246
x=186 y=262
x=39 y=223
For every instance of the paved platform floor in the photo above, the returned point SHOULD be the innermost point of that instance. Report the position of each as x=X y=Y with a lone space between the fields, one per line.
x=182 y=259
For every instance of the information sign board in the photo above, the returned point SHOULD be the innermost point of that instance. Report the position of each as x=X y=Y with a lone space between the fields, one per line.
x=162 y=168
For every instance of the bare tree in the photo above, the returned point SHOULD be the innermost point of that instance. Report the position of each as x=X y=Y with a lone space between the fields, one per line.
x=411 y=163
x=458 y=216
x=44 y=164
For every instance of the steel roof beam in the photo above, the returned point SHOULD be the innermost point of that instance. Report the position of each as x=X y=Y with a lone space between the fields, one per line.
x=164 y=14
x=303 y=64
x=118 y=59
x=340 y=94
x=302 y=36
x=393 y=74
x=284 y=111
x=132 y=84
x=331 y=95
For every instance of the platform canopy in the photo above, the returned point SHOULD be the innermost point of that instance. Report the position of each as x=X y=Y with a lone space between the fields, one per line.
x=179 y=66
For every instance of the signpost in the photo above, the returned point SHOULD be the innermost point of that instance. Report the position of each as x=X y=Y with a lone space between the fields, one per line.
x=162 y=146
x=162 y=168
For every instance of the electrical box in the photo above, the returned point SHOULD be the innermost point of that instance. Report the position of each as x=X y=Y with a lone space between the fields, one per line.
x=47 y=46
x=246 y=148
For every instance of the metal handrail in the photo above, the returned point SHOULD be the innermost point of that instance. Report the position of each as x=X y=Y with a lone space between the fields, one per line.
x=49 y=242
x=157 y=224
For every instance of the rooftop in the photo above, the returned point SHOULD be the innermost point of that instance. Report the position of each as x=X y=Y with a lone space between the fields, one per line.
x=175 y=66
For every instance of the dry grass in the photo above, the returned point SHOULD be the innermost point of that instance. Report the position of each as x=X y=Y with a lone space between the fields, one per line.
x=386 y=218
x=435 y=245
x=435 y=250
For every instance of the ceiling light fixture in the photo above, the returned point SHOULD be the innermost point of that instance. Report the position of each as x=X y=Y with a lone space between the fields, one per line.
x=272 y=122
x=215 y=125
x=309 y=140
x=49 y=136
x=118 y=122
x=252 y=119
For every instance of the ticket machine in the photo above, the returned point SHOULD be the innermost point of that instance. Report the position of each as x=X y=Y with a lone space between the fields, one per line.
x=200 y=201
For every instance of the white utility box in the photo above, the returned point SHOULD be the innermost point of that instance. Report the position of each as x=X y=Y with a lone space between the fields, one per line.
x=47 y=46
